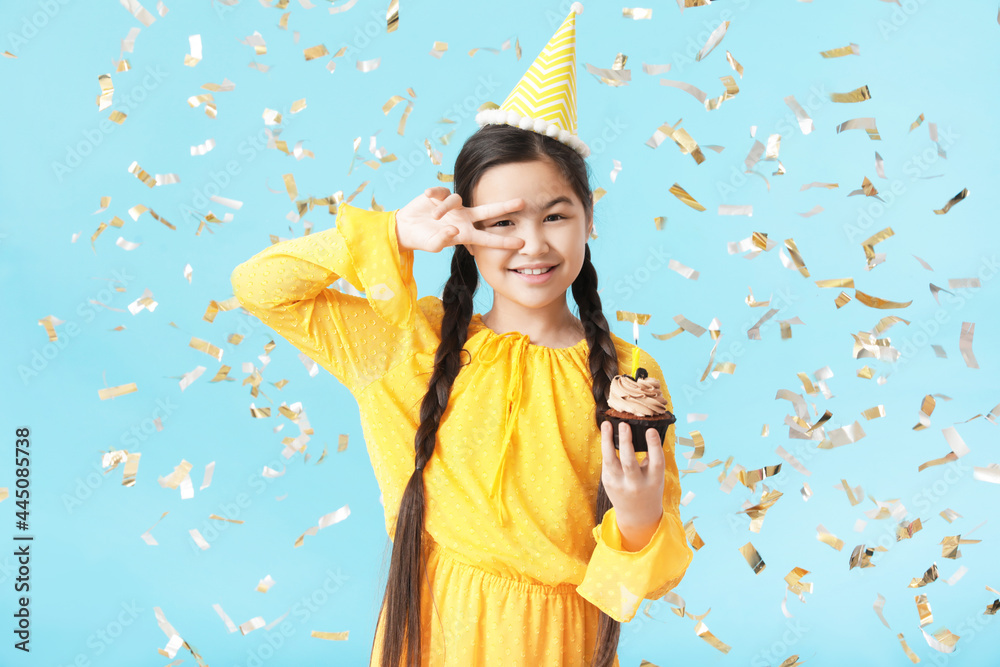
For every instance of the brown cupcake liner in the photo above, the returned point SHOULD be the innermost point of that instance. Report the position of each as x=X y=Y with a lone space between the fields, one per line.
x=638 y=426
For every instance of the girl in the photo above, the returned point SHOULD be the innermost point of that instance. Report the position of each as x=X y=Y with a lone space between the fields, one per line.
x=495 y=556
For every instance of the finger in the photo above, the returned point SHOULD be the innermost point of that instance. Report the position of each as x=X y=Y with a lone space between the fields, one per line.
x=656 y=455
x=486 y=211
x=630 y=465
x=437 y=192
x=450 y=202
x=610 y=461
x=490 y=240
x=446 y=237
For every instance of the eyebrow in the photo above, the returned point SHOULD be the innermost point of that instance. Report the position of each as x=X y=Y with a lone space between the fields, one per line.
x=557 y=200
x=562 y=199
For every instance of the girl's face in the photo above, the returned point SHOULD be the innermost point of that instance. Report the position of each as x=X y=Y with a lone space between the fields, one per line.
x=552 y=223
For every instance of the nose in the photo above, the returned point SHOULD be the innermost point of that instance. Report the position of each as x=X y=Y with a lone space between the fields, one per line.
x=534 y=240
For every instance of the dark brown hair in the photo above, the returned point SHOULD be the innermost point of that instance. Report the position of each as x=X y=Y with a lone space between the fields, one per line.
x=490 y=146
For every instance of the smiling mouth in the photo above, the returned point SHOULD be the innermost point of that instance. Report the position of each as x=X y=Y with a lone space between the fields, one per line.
x=533 y=273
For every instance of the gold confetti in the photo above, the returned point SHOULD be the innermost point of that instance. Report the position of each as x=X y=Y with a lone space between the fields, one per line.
x=949 y=546
x=875 y=302
x=314 y=52
x=909 y=652
x=637 y=13
x=851 y=49
x=861 y=557
x=636 y=318
x=857 y=95
x=392 y=16
x=679 y=192
x=685 y=143
x=951 y=202
x=873 y=413
x=290 y=188
x=693 y=538
x=206 y=347
x=796 y=260
x=942 y=640
x=734 y=64
x=107 y=92
x=120 y=390
x=336 y=636
x=757 y=512
x=702 y=631
x=134 y=168
x=180 y=472
x=753 y=558
x=193 y=58
x=855 y=495
x=929 y=576
x=950 y=515
x=866 y=124
x=826 y=537
x=264 y=585
x=795 y=584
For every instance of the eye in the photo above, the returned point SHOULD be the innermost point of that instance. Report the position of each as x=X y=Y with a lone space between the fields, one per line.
x=551 y=215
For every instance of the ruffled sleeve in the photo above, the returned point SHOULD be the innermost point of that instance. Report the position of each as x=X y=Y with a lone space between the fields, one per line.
x=357 y=339
x=616 y=580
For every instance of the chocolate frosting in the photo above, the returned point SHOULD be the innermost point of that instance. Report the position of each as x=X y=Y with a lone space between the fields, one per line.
x=640 y=395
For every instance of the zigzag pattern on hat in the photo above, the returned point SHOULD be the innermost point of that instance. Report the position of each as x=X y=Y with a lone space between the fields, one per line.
x=544 y=100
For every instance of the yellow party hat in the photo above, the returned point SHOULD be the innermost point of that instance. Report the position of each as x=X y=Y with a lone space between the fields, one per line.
x=544 y=100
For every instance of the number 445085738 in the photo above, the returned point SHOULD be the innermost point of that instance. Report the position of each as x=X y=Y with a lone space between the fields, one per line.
x=22 y=462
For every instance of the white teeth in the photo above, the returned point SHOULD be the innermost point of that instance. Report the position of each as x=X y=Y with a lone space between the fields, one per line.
x=533 y=272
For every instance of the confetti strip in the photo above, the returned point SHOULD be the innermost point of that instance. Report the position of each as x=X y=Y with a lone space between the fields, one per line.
x=879 y=607
x=230 y=626
x=866 y=124
x=857 y=95
x=193 y=58
x=120 y=390
x=965 y=344
x=264 y=585
x=851 y=49
x=951 y=202
x=679 y=192
x=753 y=558
x=805 y=122
x=713 y=40
x=702 y=631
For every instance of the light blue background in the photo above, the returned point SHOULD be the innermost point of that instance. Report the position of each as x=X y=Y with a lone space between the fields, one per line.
x=89 y=566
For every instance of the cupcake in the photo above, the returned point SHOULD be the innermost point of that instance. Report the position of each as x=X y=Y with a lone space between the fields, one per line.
x=638 y=401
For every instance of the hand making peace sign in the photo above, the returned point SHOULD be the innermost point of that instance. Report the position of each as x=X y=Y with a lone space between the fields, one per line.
x=436 y=220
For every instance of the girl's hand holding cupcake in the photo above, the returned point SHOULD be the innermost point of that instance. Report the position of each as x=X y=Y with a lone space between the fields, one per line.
x=635 y=489
x=437 y=219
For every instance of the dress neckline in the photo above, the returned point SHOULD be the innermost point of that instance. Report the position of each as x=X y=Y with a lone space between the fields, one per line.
x=477 y=322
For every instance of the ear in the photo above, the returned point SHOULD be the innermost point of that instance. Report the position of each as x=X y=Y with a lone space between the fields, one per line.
x=590 y=226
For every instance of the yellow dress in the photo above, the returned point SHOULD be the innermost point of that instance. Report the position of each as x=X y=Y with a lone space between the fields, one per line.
x=515 y=562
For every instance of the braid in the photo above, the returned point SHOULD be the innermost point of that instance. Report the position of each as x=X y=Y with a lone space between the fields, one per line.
x=603 y=368
x=401 y=601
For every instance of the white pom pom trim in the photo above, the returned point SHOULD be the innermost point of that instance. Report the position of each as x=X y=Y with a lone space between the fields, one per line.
x=541 y=126
x=577 y=7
